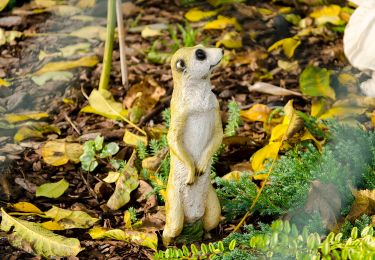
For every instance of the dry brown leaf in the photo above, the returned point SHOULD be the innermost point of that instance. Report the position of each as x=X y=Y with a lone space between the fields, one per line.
x=270 y=89
x=325 y=199
x=142 y=97
x=152 y=163
x=364 y=204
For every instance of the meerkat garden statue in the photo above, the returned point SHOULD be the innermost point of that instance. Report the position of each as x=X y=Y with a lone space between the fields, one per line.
x=194 y=135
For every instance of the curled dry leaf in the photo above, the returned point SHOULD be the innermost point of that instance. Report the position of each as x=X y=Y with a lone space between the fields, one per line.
x=59 y=152
x=125 y=184
x=325 y=199
x=152 y=163
x=364 y=204
x=146 y=196
x=270 y=89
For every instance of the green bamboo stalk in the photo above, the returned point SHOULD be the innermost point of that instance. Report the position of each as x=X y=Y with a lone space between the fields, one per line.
x=107 y=59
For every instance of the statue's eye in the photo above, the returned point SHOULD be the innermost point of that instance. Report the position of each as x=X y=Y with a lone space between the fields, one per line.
x=180 y=65
x=200 y=54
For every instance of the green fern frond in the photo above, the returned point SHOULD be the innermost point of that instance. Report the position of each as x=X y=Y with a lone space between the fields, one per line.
x=234 y=119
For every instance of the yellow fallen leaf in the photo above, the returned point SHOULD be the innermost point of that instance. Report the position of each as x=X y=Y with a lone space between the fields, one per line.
x=112 y=177
x=90 y=32
x=86 y=18
x=3 y=4
x=292 y=119
x=88 y=61
x=270 y=151
x=16 y=118
x=221 y=23
x=149 y=32
x=69 y=101
x=32 y=236
x=75 y=48
x=91 y=110
x=66 y=10
x=278 y=132
x=131 y=236
x=45 y=3
x=315 y=81
x=26 y=207
x=35 y=130
x=265 y=11
x=318 y=106
x=289 y=46
x=327 y=14
x=52 y=76
x=195 y=14
x=133 y=139
x=260 y=177
x=257 y=112
x=288 y=66
x=86 y=3
x=59 y=152
x=103 y=103
x=127 y=220
x=343 y=112
x=232 y=40
x=373 y=118
x=52 y=190
x=70 y=218
x=52 y=225
x=308 y=136
x=233 y=176
x=4 y=83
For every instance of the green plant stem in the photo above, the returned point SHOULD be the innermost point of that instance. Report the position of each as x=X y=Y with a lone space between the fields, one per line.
x=107 y=59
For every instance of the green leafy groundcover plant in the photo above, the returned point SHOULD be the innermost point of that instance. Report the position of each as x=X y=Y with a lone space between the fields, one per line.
x=281 y=241
x=347 y=161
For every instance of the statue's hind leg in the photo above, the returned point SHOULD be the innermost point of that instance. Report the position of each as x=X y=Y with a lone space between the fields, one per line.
x=212 y=213
x=174 y=211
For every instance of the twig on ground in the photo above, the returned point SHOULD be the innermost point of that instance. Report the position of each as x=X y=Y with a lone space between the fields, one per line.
x=67 y=118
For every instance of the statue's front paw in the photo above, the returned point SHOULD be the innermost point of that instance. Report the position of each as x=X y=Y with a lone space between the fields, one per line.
x=201 y=169
x=190 y=178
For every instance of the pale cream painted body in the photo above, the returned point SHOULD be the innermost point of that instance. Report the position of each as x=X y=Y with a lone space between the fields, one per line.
x=195 y=134
x=359 y=42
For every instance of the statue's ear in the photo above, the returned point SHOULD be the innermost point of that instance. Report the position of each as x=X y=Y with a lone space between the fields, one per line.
x=180 y=65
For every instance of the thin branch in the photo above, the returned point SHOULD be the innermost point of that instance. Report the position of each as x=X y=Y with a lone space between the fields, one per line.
x=121 y=39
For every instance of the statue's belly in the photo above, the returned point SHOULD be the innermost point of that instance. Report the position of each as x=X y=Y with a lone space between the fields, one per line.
x=198 y=132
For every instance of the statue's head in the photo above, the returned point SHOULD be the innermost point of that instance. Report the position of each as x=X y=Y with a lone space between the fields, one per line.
x=195 y=63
